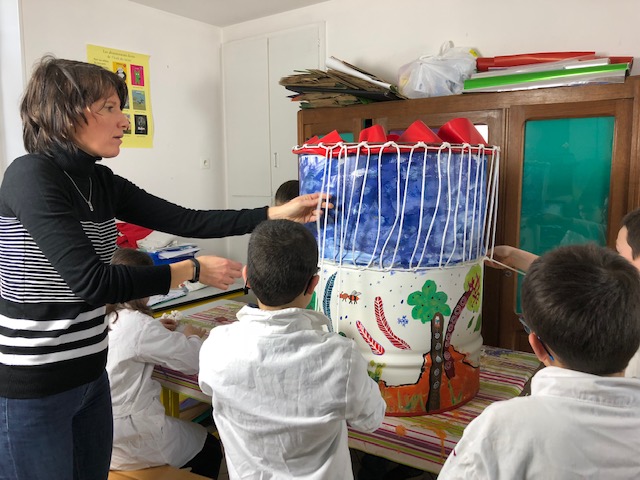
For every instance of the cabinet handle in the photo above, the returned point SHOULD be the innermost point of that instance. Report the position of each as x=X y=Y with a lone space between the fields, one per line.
x=275 y=159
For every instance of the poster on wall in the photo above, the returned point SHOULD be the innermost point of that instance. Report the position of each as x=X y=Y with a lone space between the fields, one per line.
x=133 y=68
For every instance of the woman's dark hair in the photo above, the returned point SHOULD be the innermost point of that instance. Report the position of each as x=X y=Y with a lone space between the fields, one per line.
x=583 y=301
x=282 y=258
x=133 y=257
x=57 y=97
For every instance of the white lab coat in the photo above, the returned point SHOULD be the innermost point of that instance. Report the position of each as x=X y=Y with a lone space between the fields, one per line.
x=283 y=391
x=143 y=435
x=573 y=426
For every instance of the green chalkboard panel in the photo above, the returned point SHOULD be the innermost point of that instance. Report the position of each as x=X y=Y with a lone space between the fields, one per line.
x=565 y=184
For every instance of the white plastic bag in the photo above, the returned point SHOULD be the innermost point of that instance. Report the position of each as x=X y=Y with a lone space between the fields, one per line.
x=437 y=75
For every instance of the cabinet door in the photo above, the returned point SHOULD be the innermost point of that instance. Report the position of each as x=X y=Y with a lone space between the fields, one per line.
x=245 y=72
x=567 y=169
x=260 y=119
x=288 y=51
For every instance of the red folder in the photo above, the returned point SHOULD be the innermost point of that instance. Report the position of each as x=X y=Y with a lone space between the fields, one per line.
x=484 y=63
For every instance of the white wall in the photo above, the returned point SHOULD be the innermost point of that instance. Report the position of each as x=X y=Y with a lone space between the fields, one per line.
x=184 y=86
x=11 y=82
x=381 y=36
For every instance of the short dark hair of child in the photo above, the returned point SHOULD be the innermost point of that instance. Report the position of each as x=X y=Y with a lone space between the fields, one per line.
x=287 y=191
x=132 y=257
x=282 y=258
x=632 y=221
x=583 y=301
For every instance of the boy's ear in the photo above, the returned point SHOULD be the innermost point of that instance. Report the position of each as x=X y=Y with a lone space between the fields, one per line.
x=244 y=276
x=312 y=284
x=539 y=349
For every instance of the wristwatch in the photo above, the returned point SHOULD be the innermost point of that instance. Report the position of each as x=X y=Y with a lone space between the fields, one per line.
x=196 y=270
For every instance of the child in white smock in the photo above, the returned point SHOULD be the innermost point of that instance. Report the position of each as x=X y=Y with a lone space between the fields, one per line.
x=144 y=436
x=581 y=309
x=627 y=245
x=283 y=389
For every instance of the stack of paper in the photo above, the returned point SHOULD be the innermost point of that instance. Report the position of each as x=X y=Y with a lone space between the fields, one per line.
x=341 y=85
x=172 y=294
x=550 y=74
x=177 y=251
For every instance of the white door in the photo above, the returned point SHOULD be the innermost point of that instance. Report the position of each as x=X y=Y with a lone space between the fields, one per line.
x=288 y=51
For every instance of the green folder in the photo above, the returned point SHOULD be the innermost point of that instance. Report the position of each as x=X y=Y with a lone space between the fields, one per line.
x=612 y=73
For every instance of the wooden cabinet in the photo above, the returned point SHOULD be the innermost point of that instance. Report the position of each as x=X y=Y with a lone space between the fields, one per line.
x=590 y=163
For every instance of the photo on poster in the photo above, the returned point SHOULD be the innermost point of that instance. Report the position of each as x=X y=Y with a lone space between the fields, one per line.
x=141 y=124
x=126 y=103
x=137 y=75
x=139 y=100
x=128 y=130
x=120 y=69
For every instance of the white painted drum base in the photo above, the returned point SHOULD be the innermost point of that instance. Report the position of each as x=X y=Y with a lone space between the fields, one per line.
x=401 y=320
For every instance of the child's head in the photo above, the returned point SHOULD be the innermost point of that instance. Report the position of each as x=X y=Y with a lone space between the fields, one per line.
x=135 y=258
x=583 y=302
x=282 y=261
x=287 y=191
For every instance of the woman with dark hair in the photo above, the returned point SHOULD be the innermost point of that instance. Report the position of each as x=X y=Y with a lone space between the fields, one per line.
x=58 y=207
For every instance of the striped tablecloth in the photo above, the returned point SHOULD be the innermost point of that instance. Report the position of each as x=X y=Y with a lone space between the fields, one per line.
x=217 y=313
x=421 y=442
x=425 y=442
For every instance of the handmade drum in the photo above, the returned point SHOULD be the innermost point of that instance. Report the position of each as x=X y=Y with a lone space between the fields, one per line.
x=401 y=259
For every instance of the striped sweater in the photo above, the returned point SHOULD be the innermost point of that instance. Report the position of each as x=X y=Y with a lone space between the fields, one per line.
x=56 y=240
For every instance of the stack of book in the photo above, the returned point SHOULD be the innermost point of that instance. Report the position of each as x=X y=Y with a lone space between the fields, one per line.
x=340 y=85
x=529 y=71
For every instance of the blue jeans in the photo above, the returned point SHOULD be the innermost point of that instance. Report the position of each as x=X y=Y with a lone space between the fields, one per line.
x=60 y=437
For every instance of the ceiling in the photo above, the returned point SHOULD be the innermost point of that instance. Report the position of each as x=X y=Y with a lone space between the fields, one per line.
x=223 y=13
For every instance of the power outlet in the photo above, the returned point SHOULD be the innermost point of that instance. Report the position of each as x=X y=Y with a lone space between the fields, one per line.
x=205 y=163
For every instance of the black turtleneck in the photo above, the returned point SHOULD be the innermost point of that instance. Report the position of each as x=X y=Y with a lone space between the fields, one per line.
x=55 y=275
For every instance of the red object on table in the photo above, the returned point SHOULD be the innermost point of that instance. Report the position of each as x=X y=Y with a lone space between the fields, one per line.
x=129 y=234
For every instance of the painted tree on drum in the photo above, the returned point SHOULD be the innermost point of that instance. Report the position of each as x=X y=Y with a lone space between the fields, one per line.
x=430 y=305
x=471 y=299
